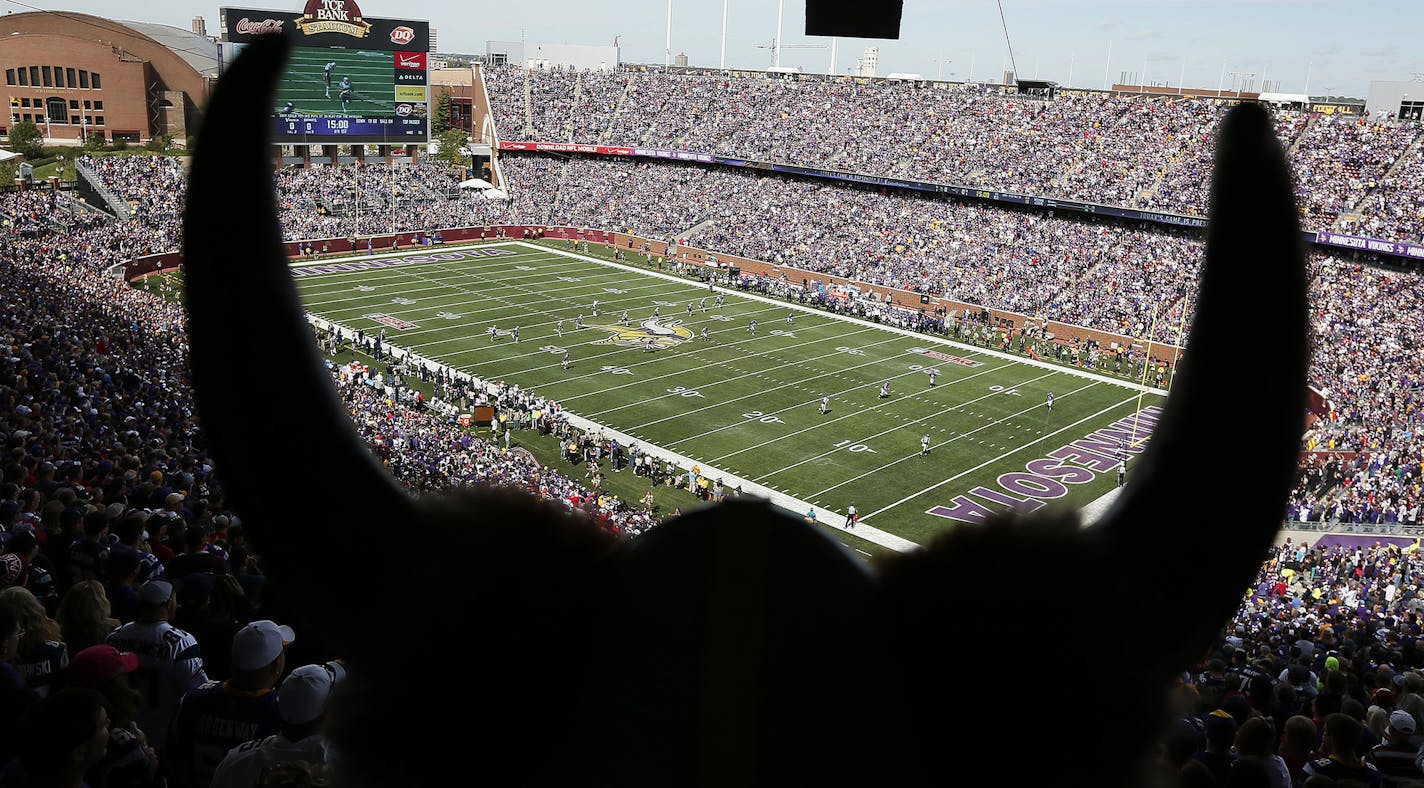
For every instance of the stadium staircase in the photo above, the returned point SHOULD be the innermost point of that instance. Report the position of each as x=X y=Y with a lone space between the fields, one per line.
x=1151 y=188
x=120 y=208
x=835 y=157
x=1416 y=148
x=605 y=137
x=694 y=228
x=1299 y=138
x=578 y=98
x=1081 y=161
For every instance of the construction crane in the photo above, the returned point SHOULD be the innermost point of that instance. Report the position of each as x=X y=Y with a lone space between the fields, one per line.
x=776 y=50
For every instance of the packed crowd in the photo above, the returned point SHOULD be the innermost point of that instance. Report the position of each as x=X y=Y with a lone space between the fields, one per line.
x=115 y=528
x=122 y=570
x=1141 y=151
x=1095 y=274
x=426 y=448
x=1319 y=675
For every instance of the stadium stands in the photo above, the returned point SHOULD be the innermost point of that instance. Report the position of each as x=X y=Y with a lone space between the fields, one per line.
x=98 y=417
x=1128 y=150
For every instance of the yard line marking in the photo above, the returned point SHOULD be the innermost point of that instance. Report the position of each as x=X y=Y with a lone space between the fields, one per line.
x=807 y=403
x=1028 y=409
x=920 y=337
x=738 y=359
x=876 y=435
x=1003 y=456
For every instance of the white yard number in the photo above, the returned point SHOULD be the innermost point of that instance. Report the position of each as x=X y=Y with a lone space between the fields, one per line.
x=614 y=290
x=618 y=370
x=682 y=392
x=779 y=333
x=721 y=318
x=365 y=288
x=555 y=349
x=855 y=447
x=1002 y=390
x=404 y=301
x=524 y=268
x=764 y=418
x=447 y=315
x=665 y=303
x=852 y=351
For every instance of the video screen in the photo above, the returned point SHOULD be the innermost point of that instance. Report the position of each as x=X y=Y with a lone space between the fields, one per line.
x=350 y=79
x=350 y=94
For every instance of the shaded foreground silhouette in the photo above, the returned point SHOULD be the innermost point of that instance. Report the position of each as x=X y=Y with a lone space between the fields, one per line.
x=738 y=646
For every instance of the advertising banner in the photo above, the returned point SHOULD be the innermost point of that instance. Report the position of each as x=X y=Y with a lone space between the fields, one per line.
x=1398 y=248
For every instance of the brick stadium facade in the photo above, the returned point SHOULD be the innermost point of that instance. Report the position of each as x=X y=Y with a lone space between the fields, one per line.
x=73 y=73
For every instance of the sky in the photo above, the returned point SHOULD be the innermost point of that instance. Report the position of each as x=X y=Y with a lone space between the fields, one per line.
x=1327 y=47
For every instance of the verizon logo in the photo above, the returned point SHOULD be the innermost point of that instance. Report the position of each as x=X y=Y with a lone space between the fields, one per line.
x=412 y=62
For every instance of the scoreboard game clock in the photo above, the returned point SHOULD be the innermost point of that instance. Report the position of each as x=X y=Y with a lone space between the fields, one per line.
x=350 y=79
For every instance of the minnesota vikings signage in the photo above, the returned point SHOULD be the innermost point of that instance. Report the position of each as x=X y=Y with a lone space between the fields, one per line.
x=657 y=333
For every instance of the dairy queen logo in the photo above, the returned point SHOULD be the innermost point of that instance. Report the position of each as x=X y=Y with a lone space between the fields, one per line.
x=403 y=110
x=402 y=35
x=333 y=16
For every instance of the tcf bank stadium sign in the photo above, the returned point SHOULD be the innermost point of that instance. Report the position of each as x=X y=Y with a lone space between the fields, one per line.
x=333 y=16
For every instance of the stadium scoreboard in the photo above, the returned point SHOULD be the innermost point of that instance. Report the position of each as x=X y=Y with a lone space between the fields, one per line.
x=349 y=79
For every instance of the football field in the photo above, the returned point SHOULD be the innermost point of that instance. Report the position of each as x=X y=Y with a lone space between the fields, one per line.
x=303 y=82
x=748 y=405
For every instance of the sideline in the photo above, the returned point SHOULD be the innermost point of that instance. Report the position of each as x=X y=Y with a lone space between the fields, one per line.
x=999 y=354
x=784 y=500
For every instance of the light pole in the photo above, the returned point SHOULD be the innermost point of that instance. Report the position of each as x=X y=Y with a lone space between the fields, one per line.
x=776 y=45
x=723 y=64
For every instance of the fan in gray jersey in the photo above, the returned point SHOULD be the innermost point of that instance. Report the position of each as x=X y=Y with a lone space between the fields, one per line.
x=169 y=663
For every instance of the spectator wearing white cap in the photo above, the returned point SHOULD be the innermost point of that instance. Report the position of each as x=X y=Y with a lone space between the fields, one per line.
x=218 y=716
x=1395 y=756
x=302 y=706
x=169 y=660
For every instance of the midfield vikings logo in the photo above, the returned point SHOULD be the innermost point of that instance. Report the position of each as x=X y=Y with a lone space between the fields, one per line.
x=333 y=16
x=659 y=333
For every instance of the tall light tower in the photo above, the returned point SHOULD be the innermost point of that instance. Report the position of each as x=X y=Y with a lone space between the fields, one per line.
x=776 y=45
x=723 y=63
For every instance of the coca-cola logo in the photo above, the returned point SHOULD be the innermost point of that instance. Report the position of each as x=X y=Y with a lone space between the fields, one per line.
x=247 y=27
x=402 y=35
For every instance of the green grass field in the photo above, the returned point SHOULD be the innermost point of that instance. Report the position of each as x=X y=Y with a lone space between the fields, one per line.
x=371 y=73
x=748 y=405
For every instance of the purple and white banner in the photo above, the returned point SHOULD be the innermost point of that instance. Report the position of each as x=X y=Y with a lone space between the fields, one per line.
x=1398 y=248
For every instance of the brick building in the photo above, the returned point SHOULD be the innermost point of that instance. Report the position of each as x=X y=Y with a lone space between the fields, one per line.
x=73 y=73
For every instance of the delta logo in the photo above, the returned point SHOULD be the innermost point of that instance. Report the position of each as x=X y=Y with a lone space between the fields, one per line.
x=411 y=60
x=658 y=333
x=333 y=16
x=402 y=35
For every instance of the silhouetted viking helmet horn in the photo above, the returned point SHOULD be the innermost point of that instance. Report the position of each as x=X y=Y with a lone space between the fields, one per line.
x=280 y=428
x=281 y=440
